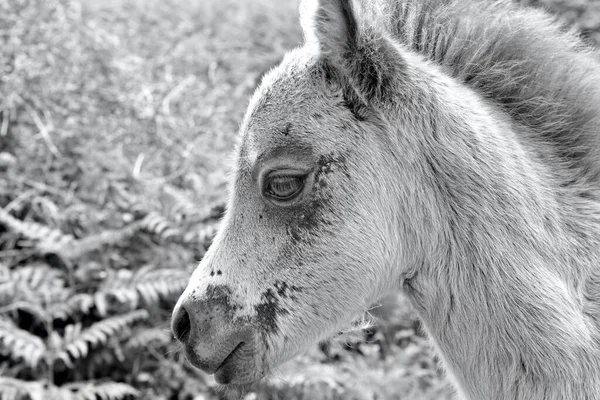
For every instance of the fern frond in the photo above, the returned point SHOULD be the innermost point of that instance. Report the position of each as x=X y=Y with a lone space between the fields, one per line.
x=9 y=369
x=99 y=359
x=103 y=391
x=19 y=344
x=57 y=392
x=23 y=289
x=160 y=227
x=80 y=302
x=193 y=382
x=78 y=342
x=78 y=248
x=52 y=241
x=37 y=275
x=7 y=288
x=35 y=278
x=202 y=236
x=148 y=286
x=177 y=206
x=45 y=238
x=164 y=283
x=17 y=389
x=145 y=337
x=213 y=211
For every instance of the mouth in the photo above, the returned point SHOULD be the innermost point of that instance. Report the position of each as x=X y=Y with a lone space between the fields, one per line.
x=237 y=368
x=224 y=372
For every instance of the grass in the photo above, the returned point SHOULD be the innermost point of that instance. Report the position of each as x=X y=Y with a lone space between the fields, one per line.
x=107 y=108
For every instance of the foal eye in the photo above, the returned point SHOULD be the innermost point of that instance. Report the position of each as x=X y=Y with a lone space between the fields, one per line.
x=281 y=187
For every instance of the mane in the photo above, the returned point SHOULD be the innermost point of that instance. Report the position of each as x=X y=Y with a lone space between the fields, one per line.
x=533 y=68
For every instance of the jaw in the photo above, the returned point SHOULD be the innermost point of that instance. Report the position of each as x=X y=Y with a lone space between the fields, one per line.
x=244 y=365
x=236 y=385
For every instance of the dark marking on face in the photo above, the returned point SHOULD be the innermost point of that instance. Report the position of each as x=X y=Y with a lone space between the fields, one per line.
x=268 y=311
x=306 y=225
x=326 y=164
x=220 y=296
x=326 y=222
x=317 y=212
x=286 y=291
x=286 y=130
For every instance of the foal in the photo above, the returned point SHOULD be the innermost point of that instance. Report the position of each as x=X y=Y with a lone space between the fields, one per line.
x=446 y=148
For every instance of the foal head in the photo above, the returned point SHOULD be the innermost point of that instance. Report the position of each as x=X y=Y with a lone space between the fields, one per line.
x=309 y=238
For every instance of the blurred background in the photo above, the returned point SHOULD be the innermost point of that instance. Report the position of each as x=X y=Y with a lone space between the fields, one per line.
x=117 y=121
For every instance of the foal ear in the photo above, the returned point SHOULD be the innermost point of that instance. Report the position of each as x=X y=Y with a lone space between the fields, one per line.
x=354 y=45
x=331 y=23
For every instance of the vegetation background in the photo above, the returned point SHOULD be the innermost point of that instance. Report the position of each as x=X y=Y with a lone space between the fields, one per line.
x=117 y=119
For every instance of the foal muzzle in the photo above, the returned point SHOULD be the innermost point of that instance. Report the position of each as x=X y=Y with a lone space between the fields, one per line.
x=215 y=341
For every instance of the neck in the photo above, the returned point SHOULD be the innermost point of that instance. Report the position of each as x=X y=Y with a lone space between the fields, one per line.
x=507 y=329
x=495 y=288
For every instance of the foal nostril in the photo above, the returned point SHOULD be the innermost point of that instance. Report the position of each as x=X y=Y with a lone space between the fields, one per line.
x=181 y=324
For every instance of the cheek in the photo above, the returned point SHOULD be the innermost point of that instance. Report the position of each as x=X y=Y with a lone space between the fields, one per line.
x=315 y=222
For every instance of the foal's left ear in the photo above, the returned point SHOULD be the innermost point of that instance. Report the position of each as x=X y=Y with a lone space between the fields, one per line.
x=352 y=42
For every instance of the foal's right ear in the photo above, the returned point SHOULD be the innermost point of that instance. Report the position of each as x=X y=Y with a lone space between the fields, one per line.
x=351 y=42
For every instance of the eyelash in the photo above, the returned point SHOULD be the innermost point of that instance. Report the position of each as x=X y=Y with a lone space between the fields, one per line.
x=281 y=187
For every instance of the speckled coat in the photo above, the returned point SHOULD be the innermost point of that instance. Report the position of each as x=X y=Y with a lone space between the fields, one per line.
x=446 y=148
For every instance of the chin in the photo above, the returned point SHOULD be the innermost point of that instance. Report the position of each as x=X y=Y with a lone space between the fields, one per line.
x=241 y=368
